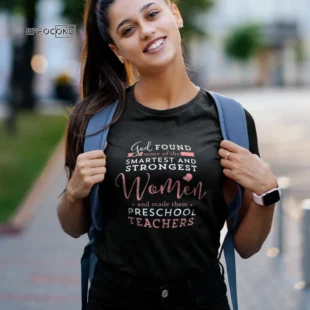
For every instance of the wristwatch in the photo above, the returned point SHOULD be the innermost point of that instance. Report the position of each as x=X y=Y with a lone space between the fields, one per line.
x=268 y=198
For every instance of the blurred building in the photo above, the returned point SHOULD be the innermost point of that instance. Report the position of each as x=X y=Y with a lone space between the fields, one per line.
x=281 y=18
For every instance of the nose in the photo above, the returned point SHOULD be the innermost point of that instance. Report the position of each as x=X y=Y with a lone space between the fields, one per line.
x=147 y=30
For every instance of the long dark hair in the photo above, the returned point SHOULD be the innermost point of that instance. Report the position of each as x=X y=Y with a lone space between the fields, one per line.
x=103 y=79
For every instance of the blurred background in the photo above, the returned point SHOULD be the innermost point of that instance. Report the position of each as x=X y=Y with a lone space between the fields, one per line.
x=257 y=52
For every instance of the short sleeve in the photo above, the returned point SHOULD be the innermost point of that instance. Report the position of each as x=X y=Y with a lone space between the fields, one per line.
x=253 y=143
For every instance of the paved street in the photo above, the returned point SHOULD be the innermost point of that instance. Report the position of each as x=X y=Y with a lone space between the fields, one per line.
x=40 y=268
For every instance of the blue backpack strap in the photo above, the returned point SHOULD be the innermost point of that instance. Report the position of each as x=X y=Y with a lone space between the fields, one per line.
x=94 y=142
x=97 y=142
x=234 y=128
x=85 y=271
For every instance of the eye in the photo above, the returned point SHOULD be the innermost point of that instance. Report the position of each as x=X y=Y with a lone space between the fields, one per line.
x=127 y=30
x=153 y=14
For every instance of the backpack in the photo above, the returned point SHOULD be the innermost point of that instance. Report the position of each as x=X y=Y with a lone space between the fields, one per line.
x=234 y=128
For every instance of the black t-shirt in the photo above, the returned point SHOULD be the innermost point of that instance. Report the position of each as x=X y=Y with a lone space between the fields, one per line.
x=162 y=198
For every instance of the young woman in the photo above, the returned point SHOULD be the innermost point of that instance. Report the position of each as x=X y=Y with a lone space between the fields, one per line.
x=166 y=175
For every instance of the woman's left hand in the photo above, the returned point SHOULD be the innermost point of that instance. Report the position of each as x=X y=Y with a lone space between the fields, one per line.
x=245 y=168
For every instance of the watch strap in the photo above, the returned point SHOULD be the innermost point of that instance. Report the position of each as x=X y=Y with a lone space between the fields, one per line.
x=259 y=199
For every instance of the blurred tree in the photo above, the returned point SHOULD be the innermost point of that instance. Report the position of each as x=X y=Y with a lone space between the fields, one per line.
x=28 y=99
x=243 y=42
x=300 y=58
x=190 y=9
x=21 y=94
x=300 y=51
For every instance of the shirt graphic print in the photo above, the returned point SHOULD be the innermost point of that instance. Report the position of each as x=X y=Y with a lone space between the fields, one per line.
x=161 y=214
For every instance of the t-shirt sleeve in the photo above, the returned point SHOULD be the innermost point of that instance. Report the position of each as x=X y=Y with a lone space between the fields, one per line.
x=253 y=144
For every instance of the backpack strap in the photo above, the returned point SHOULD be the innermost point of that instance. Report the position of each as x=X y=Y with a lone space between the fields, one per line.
x=94 y=142
x=234 y=128
x=97 y=142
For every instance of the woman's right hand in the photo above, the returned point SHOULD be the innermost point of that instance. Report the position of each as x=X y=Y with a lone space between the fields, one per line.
x=90 y=169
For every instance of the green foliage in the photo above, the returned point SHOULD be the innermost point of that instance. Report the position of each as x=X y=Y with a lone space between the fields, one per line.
x=243 y=42
x=25 y=155
x=189 y=9
x=74 y=10
x=11 y=4
x=19 y=7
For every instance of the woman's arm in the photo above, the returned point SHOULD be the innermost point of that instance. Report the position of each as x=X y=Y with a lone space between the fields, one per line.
x=73 y=214
x=254 y=225
x=74 y=207
x=246 y=168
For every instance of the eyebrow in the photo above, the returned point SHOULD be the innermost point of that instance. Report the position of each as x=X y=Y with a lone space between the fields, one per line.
x=145 y=7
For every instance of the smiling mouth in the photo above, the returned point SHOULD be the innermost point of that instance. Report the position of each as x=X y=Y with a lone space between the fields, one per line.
x=155 y=45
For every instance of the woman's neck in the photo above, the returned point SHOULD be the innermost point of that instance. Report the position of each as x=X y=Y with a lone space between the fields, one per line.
x=168 y=89
x=165 y=91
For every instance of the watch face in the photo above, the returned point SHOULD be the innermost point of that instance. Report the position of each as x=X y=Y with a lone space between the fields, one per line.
x=271 y=198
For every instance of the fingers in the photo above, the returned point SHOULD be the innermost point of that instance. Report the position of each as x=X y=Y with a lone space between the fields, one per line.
x=231 y=146
x=97 y=178
x=227 y=164
x=228 y=173
x=96 y=171
x=97 y=154
x=97 y=163
x=223 y=153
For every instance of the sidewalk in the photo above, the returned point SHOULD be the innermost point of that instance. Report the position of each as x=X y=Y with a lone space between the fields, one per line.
x=272 y=283
x=40 y=268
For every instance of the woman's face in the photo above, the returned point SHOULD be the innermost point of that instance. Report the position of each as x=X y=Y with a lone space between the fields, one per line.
x=145 y=32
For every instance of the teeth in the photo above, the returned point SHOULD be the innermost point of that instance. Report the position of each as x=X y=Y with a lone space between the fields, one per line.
x=155 y=45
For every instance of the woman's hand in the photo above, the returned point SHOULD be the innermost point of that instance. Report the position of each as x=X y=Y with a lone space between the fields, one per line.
x=90 y=169
x=247 y=169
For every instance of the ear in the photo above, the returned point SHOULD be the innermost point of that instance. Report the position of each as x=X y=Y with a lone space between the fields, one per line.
x=116 y=52
x=177 y=15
